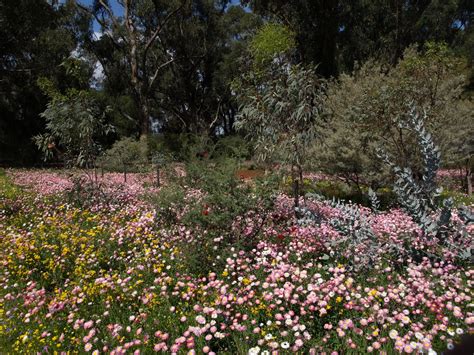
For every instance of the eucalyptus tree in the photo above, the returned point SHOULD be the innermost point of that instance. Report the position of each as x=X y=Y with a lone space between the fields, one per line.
x=282 y=116
x=75 y=123
x=339 y=33
x=36 y=37
x=194 y=93
x=137 y=36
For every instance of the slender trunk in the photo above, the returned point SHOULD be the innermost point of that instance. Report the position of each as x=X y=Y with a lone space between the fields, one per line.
x=144 y=116
x=136 y=82
x=302 y=190
x=469 y=178
x=462 y=181
x=158 y=181
x=296 y=186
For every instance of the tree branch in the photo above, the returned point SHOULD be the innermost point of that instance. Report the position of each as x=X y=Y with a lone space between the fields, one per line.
x=160 y=27
x=153 y=78
x=100 y=22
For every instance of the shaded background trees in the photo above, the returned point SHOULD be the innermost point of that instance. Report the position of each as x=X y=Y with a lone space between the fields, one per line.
x=338 y=34
x=36 y=38
x=168 y=67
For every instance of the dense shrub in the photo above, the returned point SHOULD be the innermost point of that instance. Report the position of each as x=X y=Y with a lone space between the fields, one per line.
x=182 y=147
x=126 y=155
x=444 y=228
x=234 y=147
x=369 y=106
x=214 y=205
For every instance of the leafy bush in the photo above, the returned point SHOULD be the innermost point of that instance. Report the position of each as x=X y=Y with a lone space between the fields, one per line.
x=421 y=199
x=443 y=228
x=233 y=147
x=340 y=190
x=126 y=155
x=182 y=147
x=216 y=208
x=7 y=188
x=282 y=117
x=74 y=124
x=9 y=195
x=368 y=106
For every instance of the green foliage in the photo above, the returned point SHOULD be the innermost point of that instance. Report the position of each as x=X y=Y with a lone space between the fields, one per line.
x=9 y=195
x=7 y=188
x=421 y=199
x=126 y=155
x=234 y=147
x=340 y=34
x=458 y=198
x=212 y=203
x=36 y=39
x=272 y=40
x=73 y=125
x=369 y=109
x=282 y=117
x=186 y=147
x=347 y=151
x=343 y=191
x=182 y=147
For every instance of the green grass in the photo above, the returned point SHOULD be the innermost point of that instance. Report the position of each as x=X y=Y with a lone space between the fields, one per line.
x=8 y=189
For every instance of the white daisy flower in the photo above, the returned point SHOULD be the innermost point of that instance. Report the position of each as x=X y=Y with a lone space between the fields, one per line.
x=254 y=351
x=393 y=334
x=285 y=345
x=459 y=331
x=268 y=337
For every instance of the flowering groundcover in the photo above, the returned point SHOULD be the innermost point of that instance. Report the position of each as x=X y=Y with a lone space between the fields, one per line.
x=110 y=279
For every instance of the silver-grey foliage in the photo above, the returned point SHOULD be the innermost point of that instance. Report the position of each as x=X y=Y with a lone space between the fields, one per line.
x=282 y=116
x=420 y=199
x=358 y=241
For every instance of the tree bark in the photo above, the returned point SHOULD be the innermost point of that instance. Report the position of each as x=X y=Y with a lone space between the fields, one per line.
x=468 y=178
x=135 y=81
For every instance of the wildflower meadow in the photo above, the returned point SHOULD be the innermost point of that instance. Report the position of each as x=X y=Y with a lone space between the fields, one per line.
x=109 y=278
x=249 y=177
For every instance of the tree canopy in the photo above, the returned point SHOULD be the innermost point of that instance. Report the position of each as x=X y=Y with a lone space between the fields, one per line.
x=171 y=66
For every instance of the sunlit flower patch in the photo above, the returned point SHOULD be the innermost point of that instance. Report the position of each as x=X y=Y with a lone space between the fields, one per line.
x=110 y=279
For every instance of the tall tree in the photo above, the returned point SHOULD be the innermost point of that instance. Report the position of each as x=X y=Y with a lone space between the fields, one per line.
x=195 y=92
x=36 y=38
x=337 y=34
x=315 y=23
x=137 y=37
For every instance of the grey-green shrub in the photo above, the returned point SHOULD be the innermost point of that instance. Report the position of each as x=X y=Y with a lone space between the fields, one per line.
x=126 y=155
